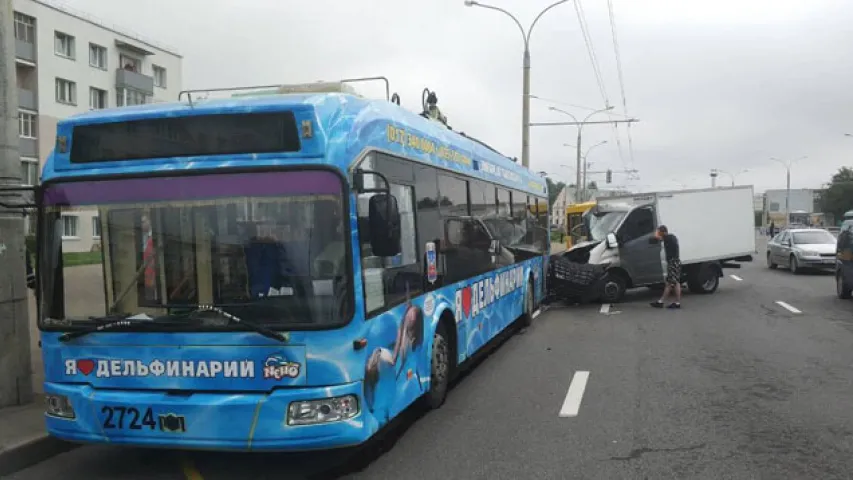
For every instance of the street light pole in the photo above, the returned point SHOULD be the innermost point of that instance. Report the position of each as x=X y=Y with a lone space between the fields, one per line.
x=581 y=187
x=586 y=165
x=580 y=168
x=525 y=94
x=732 y=176
x=787 y=166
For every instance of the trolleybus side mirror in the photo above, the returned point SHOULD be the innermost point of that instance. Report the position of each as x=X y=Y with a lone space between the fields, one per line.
x=612 y=242
x=384 y=218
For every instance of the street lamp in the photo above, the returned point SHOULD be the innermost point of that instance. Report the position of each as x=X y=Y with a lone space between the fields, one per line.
x=580 y=129
x=733 y=176
x=787 y=165
x=525 y=105
x=586 y=164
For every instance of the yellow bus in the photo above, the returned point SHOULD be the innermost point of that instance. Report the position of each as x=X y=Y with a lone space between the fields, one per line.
x=574 y=222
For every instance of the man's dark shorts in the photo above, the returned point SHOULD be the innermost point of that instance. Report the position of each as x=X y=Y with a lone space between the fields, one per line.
x=673 y=272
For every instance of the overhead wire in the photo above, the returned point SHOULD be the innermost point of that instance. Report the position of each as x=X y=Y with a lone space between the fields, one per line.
x=593 y=58
x=621 y=78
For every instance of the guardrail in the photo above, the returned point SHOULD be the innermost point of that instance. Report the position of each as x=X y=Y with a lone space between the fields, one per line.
x=832 y=230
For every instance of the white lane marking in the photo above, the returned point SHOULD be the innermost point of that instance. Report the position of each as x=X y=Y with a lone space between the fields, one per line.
x=605 y=308
x=536 y=313
x=788 y=307
x=572 y=403
x=736 y=278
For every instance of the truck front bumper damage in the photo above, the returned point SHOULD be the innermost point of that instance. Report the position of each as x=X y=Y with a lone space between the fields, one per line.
x=573 y=282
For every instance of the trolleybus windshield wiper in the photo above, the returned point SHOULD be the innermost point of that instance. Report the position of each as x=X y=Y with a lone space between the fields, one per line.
x=112 y=322
x=267 y=332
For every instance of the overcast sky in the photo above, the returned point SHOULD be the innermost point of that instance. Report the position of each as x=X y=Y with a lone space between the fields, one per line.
x=715 y=84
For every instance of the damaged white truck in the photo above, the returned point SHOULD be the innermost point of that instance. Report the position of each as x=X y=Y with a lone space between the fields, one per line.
x=715 y=227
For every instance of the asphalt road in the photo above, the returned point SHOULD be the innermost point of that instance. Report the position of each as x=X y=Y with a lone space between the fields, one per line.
x=734 y=385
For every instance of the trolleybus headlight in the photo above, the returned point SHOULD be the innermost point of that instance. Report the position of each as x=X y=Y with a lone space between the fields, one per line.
x=58 y=406
x=322 y=411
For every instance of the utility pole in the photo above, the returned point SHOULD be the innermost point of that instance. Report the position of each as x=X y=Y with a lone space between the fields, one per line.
x=15 y=366
x=787 y=165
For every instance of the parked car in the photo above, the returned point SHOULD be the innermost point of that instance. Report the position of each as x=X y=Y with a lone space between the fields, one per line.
x=802 y=248
x=844 y=260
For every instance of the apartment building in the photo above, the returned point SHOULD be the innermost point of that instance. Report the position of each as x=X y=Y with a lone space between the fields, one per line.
x=67 y=63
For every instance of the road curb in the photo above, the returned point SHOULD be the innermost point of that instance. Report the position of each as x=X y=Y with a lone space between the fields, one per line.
x=31 y=451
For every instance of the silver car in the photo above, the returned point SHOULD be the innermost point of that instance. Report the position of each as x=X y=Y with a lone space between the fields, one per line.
x=802 y=248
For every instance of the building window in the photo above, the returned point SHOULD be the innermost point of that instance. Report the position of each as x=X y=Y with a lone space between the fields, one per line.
x=97 y=56
x=129 y=63
x=159 y=76
x=96 y=227
x=97 y=98
x=64 y=45
x=66 y=91
x=25 y=28
x=126 y=97
x=69 y=226
x=27 y=126
x=29 y=172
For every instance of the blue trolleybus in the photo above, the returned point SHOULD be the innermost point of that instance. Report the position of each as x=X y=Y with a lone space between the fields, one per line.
x=273 y=272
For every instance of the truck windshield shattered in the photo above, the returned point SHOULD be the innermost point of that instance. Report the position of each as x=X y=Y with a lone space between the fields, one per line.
x=267 y=247
x=602 y=222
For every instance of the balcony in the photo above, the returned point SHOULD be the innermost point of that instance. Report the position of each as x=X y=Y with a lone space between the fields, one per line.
x=135 y=81
x=25 y=50
x=27 y=99
x=28 y=147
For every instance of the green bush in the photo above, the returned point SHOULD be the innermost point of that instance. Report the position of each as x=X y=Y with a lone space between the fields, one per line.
x=72 y=259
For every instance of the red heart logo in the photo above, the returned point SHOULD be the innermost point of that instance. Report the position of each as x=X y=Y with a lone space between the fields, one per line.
x=466 y=301
x=85 y=366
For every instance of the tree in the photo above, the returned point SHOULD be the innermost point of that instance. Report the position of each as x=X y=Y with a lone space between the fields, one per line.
x=838 y=196
x=554 y=189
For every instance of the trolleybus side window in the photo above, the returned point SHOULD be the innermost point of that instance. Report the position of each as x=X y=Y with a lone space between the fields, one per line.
x=389 y=281
x=428 y=220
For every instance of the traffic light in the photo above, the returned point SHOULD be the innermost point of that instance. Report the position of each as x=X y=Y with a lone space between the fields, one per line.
x=609 y=175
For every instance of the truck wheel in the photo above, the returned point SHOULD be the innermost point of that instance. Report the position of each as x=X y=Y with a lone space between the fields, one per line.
x=842 y=289
x=613 y=288
x=704 y=280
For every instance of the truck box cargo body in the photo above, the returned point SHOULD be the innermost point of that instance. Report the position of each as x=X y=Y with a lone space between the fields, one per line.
x=713 y=226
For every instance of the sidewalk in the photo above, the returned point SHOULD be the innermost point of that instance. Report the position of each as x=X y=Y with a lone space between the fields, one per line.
x=23 y=439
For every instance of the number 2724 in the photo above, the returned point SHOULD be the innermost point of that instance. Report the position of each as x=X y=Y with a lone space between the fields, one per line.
x=128 y=417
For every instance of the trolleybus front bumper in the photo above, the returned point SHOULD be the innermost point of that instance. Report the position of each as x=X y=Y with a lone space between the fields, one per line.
x=274 y=420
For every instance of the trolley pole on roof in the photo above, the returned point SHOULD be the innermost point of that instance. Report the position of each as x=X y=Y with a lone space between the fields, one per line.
x=15 y=367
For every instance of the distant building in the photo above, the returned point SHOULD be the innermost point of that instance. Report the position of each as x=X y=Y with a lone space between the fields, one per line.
x=758 y=202
x=68 y=63
x=565 y=198
x=804 y=206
